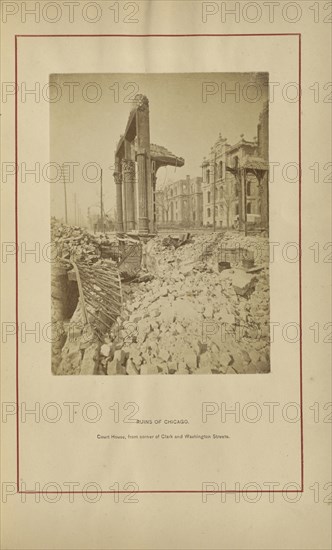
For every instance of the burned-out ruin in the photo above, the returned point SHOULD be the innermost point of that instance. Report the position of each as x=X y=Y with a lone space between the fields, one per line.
x=179 y=287
x=136 y=205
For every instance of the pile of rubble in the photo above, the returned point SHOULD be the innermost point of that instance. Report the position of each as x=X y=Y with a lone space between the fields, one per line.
x=76 y=343
x=78 y=243
x=200 y=305
x=195 y=316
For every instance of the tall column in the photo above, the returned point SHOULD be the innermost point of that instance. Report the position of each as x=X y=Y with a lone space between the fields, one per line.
x=119 y=210
x=124 y=198
x=128 y=172
x=135 y=199
x=143 y=220
x=145 y=201
x=154 y=183
x=245 y=200
x=264 y=192
x=241 y=184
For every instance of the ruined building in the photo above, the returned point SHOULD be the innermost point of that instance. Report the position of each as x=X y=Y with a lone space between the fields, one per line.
x=235 y=181
x=137 y=161
x=180 y=203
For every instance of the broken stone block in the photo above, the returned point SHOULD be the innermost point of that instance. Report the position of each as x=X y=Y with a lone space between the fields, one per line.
x=182 y=368
x=149 y=368
x=89 y=363
x=114 y=368
x=131 y=368
x=143 y=329
x=231 y=370
x=136 y=358
x=135 y=318
x=199 y=347
x=254 y=356
x=74 y=366
x=164 y=355
x=243 y=283
x=245 y=356
x=186 y=269
x=214 y=348
x=145 y=356
x=191 y=360
x=225 y=359
x=208 y=311
x=205 y=361
x=120 y=357
x=105 y=350
x=172 y=367
x=119 y=344
x=263 y=366
x=206 y=369
x=162 y=368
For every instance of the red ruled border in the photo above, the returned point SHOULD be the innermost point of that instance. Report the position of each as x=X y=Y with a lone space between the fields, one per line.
x=298 y=35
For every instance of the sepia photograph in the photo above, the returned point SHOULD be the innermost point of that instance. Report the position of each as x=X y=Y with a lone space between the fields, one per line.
x=166 y=190
x=160 y=223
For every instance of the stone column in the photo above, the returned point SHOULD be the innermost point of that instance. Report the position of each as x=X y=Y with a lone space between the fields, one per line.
x=119 y=211
x=244 y=201
x=241 y=184
x=264 y=195
x=143 y=220
x=154 y=183
x=145 y=206
x=128 y=173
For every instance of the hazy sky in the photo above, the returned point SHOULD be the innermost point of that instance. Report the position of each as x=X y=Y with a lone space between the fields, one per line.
x=86 y=131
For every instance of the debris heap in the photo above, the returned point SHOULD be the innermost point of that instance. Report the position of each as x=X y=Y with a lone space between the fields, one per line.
x=191 y=304
x=195 y=316
x=86 y=299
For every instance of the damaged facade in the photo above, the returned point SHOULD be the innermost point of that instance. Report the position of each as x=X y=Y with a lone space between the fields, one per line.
x=233 y=190
x=131 y=302
x=235 y=181
x=180 y=203
x=137 y=162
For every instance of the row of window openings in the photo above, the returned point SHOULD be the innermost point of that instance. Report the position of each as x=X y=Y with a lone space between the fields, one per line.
x=184 y=204
x=208 y=212
x=220 y=168
x=174 y=192
x=236 y=192
x=219 y=172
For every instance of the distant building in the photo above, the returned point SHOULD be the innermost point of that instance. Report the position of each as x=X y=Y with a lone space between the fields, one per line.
x=180 y=203
x=233 y=189
x=235 y=181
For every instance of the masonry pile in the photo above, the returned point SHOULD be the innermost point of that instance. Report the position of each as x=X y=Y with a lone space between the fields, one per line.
x=206 y=310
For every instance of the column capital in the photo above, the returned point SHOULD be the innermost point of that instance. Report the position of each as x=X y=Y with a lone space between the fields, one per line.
x=117 y=178
x=142 y=102
x=128 y=167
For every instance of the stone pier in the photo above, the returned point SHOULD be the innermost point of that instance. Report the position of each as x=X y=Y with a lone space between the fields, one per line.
x=118 y=185
x=136 y=189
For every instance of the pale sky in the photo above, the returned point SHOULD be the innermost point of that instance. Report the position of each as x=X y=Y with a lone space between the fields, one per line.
x=86 y=132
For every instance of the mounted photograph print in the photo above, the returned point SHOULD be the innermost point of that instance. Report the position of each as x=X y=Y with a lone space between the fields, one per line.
x=160 y=224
